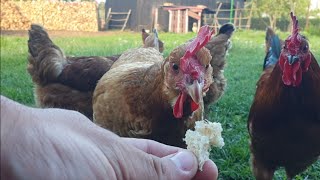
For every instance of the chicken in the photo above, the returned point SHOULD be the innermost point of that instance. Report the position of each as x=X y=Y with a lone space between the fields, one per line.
x=273 y=46
x=145 y=96
x=60 y=81
x=152 y=40
x=218 y=46
x=284 y=119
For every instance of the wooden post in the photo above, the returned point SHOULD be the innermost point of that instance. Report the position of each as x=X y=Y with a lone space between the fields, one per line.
x=199 y=21
x=156 y=18
x=108 y=14
x=216 y=18
x=125 y=22
x=236 y=14
x=99 y=17
x=170 y=21
x=108 y=17
x=216 y=24
x=178 y=21
x=186 y=21
x=240 y=17
x=307 y=16
x=249 y=20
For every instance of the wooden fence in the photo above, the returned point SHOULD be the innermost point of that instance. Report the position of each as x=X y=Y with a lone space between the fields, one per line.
x=240 y=17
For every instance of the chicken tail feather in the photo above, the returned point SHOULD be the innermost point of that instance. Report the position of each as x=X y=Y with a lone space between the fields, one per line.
x=273 y=48
x=227 y=29
x=46 y=60
x=218 y=46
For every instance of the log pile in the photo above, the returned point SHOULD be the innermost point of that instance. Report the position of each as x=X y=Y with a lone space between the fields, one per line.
x=53 y=15
x=12 y=18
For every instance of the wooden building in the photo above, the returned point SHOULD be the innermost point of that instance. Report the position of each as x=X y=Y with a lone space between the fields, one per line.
x=180 y=17
x=148 y=13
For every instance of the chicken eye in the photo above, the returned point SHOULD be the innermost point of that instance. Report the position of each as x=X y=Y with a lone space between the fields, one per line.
x=305 y=48
x=207 y=66
x=175 y=67
x=284 y=46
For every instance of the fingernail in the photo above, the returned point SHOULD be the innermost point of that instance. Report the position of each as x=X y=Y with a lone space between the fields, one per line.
x=183 y=160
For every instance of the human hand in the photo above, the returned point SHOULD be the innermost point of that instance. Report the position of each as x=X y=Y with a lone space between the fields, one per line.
x=182 y=159
x=63 y=144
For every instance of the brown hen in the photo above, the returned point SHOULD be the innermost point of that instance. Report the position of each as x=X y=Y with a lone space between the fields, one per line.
x=145 y=96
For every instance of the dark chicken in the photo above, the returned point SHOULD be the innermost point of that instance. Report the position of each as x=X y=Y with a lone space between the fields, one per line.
x=284 y=119
x=60 y=81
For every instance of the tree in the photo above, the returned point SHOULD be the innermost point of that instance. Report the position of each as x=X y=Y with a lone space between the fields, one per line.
x=299 y=7
x=275 y=9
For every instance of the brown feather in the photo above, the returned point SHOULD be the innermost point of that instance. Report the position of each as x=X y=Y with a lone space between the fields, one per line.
x=83 y=73
x=64 y=97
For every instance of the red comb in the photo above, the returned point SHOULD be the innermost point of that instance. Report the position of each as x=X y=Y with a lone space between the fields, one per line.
x=203 y=37
x=295 y=29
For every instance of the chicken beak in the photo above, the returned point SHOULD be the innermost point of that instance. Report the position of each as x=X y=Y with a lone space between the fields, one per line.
x=195 y=91
x=292 y=59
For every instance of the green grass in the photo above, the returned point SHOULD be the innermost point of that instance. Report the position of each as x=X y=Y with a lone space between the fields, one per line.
x=243 y=69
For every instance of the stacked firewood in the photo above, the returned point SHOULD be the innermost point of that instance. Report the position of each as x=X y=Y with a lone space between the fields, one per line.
x=12 y=18
x=53 y=15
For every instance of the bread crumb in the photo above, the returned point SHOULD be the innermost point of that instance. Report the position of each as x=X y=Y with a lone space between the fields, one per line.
x=200 y=141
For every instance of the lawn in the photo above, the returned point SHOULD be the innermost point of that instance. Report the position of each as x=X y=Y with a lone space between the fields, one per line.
x=243 y=69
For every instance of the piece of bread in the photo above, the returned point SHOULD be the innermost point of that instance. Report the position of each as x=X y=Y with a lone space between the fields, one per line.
x=200 y=141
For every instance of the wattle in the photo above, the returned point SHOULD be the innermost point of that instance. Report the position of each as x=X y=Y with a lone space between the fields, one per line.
x=194 y=106
x=292 y=74
x=178 y=107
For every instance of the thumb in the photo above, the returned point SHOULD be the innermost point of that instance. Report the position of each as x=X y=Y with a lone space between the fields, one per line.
x=182 y=165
